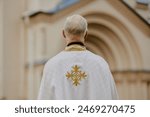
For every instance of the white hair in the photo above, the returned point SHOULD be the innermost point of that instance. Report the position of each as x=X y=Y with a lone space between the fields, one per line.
x=75 y=25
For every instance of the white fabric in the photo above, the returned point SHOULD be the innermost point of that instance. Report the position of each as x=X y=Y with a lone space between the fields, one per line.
x=99 y=83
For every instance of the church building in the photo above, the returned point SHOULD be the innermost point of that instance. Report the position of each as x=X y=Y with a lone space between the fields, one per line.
x=31 y=33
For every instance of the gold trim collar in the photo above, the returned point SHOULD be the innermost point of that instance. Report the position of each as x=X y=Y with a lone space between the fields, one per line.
x=75 y=47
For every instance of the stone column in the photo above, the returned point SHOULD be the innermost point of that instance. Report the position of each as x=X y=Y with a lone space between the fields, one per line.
x=30 y=61
x=22 y=65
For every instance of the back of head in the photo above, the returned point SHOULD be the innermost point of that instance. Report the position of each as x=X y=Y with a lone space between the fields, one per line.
x=75 y=25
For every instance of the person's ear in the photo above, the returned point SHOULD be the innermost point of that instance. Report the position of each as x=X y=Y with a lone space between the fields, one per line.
x=64 y=34
x=86 y=34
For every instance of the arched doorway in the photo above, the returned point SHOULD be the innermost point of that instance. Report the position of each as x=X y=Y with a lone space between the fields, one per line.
x=110 y=38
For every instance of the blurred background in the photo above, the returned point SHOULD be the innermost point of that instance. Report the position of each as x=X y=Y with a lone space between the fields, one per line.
x=30 y=34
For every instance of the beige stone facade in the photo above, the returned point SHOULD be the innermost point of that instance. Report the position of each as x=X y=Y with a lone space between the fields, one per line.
x=1 y=50
x=116 y=33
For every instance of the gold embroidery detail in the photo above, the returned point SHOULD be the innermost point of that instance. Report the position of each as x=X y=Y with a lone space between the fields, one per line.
x=76 y=75
x=75 y=47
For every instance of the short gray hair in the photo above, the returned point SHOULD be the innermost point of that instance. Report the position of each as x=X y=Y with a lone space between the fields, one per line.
x=75 y=25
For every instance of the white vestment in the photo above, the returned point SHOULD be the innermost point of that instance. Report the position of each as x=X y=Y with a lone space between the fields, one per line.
x=77 y=75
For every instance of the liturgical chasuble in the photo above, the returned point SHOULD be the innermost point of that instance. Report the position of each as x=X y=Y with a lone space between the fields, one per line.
x=77 y=74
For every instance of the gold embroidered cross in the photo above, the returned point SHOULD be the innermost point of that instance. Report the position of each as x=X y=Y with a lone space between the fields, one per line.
x=76 y=75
